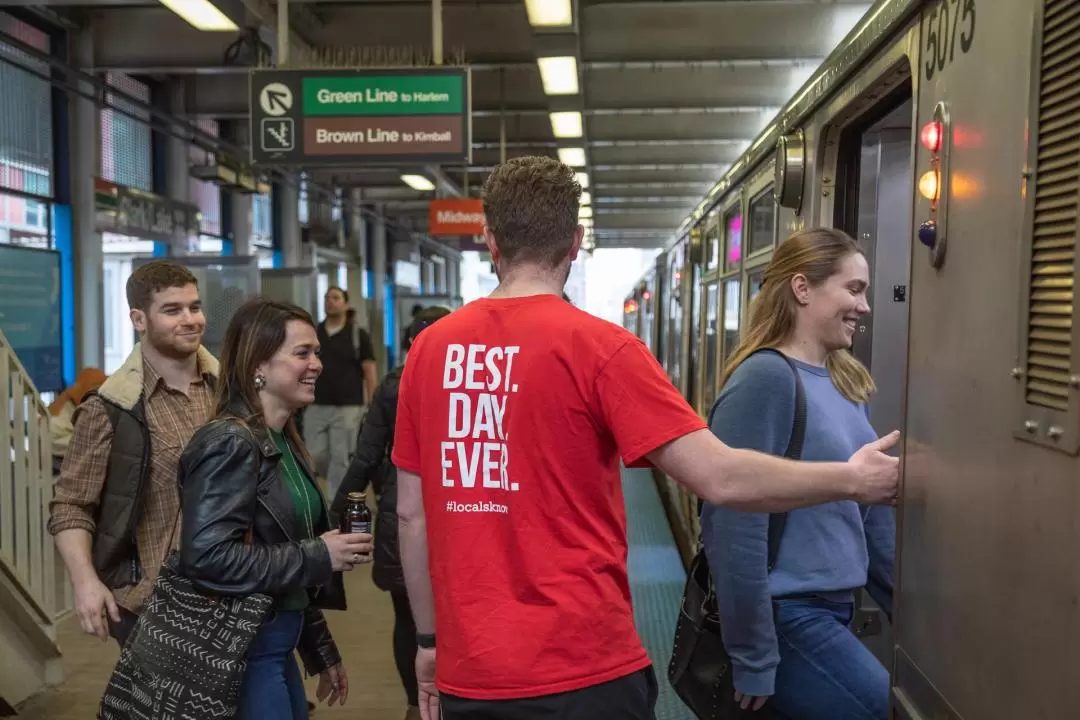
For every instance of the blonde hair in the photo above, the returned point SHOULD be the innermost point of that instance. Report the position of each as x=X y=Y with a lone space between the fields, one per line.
x=815 y=254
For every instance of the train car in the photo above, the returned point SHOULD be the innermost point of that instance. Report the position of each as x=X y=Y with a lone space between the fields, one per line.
x=945 y=136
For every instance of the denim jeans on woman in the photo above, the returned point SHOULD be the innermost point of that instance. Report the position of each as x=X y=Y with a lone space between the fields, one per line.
x=273 y=688
x=825 y=673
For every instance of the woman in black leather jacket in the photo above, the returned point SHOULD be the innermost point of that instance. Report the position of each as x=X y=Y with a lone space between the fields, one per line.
x=248 y=471
x=371 y=464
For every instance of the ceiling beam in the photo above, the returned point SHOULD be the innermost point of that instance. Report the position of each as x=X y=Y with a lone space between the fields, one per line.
x=655 y=65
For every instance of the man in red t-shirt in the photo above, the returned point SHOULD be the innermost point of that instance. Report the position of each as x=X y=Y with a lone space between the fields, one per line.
x=513 y=415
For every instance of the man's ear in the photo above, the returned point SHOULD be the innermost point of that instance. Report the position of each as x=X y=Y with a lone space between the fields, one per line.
x=579 y=236
x=138 y=320
x=489 y=241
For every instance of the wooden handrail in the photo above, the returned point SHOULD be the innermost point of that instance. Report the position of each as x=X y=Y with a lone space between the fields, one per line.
x=27 y=553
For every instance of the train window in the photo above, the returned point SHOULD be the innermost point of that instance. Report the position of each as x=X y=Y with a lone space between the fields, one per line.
x=755 y=279
x=712 y=243
x=732 y=290
x=712 y=312
x=674 y=319
x=762 y=222
x=733 y=240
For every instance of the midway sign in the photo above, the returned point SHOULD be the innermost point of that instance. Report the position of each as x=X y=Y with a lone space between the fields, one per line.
x=361 y=117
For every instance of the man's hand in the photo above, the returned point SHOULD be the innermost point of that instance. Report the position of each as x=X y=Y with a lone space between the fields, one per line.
x=92 y=601
x=877 y=474
x=425 y=682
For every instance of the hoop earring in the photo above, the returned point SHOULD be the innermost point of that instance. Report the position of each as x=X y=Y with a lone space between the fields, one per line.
x=260 y=382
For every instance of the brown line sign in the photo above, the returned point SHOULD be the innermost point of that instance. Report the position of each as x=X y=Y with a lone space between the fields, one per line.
x=417 y=135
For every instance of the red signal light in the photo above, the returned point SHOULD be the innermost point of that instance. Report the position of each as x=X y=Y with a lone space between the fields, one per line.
x=645 y=295
x=930 y=136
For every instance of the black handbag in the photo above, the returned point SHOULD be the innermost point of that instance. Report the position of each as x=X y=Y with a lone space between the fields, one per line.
x=700 y=668
x=186 y=657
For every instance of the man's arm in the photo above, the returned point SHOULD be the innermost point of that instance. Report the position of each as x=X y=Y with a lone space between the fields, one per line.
x=650 y=420
x=371 y=380
x=367 y=364
x=752 y=481
x=74 y=507
x=412 y=536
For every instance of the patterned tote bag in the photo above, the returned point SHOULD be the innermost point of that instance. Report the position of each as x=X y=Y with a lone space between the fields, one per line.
x=186 y=657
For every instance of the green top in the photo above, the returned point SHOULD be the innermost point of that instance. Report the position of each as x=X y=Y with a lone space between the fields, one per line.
x=307 y=506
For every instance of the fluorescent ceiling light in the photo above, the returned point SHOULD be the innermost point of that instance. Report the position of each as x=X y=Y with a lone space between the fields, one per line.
x=586 y=198
x=584 y=213
x=559 y=74
x=583 y=180
x=201 y=14
x=566 y=124
x=418 y=182
x=574 y=157
x=549 y=13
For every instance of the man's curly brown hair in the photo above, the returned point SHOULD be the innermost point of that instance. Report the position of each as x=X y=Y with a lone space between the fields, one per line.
x=153 y=277
x=531 y=205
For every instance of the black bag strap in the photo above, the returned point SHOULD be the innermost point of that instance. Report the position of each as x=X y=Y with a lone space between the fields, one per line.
x=777 y=521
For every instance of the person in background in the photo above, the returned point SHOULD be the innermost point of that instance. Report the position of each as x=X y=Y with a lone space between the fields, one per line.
x=343 y=389
x=115 y=513
x=247 y=471
x=371 y=465
x=416 y=310
x=62 y=411
x=513 y=415
x=785 y=626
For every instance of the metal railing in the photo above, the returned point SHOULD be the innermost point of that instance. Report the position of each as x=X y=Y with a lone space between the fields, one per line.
x=28 y=556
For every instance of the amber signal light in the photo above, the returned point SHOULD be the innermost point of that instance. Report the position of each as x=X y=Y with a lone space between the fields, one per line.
x=929 y=185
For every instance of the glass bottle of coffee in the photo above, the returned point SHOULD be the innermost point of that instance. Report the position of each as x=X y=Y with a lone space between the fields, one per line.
x=357 y=516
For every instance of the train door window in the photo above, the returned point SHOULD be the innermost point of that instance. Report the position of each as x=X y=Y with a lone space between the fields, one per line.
x=694 y=360
x=712 y=313
x=648 y=314
x=762 y=223
x=753 y=280
x=732 y=293
x=712 y=242
x=733 y=239
x=675 y=317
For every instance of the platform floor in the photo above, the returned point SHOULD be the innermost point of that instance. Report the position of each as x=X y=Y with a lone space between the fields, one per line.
x=363 y=634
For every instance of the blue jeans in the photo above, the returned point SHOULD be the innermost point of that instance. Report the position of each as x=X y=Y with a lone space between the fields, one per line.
x=825 y=673
x=273 y=688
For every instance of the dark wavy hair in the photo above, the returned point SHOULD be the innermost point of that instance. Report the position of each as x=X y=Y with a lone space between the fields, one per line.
x=421 y=320
x=256 y=332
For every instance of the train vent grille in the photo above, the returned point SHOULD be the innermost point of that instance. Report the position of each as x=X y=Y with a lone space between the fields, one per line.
x=1057 y=196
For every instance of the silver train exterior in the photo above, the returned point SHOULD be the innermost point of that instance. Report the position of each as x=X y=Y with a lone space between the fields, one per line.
x=973 y=338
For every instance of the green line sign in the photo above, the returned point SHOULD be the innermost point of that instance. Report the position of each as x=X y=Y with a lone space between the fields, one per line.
x=384 y=95
x=355 y=117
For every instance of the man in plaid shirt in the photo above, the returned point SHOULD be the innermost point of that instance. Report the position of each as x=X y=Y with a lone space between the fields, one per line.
x=115 y=514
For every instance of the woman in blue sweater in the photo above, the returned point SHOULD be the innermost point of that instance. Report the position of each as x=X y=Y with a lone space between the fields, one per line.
x=785 y=625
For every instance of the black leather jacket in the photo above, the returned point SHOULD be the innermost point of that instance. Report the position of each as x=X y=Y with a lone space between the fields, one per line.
x=371 y=463
x=230 y=481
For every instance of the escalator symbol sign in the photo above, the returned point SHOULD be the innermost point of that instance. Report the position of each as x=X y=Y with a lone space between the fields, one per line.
x=278 y=135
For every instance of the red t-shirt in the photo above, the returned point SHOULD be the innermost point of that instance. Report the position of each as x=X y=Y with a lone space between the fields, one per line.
x=515 y=413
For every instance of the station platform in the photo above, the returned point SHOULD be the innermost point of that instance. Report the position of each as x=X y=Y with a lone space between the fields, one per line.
x=364 y=633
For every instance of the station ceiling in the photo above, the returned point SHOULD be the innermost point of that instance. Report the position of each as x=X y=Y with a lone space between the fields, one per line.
x=670 y=91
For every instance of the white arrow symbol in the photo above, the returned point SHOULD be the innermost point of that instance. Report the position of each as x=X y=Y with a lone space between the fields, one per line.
x=276 y=99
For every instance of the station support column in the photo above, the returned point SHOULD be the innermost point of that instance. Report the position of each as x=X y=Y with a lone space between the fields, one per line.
x=356 y=246
x=177 y=154
x=88 y=253
x=290 y=224
x=378 y=289
x=240 y=204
